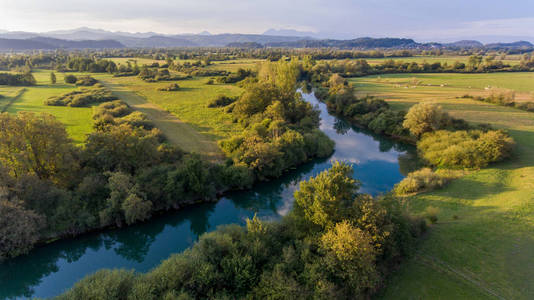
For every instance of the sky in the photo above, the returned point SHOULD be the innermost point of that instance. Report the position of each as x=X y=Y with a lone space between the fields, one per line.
x=423 y=20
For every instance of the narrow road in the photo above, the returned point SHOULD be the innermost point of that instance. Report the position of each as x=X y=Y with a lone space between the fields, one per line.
x=177 y=132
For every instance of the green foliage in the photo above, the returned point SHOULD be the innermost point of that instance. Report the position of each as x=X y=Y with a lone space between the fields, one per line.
x=421 y=180
x=284 y=259
x=53 y=78
x=82 y=97
x=70 y=79
x=19 y=228
x=170 y=88
x=324 y=199
x=85 y=81
x=222 y=101
x=431 y=213
x=36 y=145
x=465 y=149
x=105 y=284
x=24 y=79
x=425 y=117
x=280 y=125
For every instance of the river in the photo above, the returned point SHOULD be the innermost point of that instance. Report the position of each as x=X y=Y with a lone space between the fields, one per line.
x=49 y=270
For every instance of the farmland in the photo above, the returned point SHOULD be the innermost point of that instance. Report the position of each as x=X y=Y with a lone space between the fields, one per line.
x=481 y=245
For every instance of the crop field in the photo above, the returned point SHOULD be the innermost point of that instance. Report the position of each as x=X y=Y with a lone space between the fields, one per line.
x=78 y=120
x=482 y=245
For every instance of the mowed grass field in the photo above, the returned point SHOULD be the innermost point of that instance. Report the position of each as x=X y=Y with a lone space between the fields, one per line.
x=78 y=120
x=189 y=104
x=482 y=245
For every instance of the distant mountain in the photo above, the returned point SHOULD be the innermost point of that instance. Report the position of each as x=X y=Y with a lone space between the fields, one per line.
x=155 y=42
x=465 y=44
x=359 y=43
x=18 y=44
x=44 y=43
x=246 y=45
x=289 y=32
x=519 y=44
x=221 y=40
x=85 y=37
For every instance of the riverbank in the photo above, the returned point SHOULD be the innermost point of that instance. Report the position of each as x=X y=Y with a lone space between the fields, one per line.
x=47 y=271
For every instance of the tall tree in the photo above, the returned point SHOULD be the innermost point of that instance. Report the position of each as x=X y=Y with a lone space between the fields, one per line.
x=53 y=78
x=36 y=145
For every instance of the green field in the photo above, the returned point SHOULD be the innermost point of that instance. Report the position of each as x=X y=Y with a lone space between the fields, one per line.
x=406 y=89
x=189 y=104
x=482 y=245
x=78 y=120
x=509 y=59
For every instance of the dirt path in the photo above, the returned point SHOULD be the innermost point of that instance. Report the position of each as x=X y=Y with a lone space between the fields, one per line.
x=177 y=132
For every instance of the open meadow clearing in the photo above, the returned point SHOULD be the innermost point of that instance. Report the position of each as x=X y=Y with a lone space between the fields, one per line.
x=189 y=103
x=481 y=246
x=507 y=59
x=78 y=120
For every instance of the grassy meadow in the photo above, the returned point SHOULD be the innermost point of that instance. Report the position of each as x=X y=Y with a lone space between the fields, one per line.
x=189 y=104
x=482 y=245
x=508 y=59
x=78 y=120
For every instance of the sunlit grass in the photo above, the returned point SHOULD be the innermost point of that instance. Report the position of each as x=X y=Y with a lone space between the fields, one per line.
x=482 y=244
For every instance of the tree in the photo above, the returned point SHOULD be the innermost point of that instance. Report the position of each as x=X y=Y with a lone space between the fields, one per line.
x=425 y=117
x=53 y=78
x=136 y=209
x=325 y=199
x=36 y=145
x=19 y=228
x=70 y=79
x=350 y=257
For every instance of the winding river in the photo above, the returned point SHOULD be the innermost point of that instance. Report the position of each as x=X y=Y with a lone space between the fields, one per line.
x=47 y=271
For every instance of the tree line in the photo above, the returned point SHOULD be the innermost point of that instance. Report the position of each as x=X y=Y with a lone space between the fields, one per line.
x=336 y=243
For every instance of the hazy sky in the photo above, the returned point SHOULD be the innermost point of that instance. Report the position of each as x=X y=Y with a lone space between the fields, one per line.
x=419 y=19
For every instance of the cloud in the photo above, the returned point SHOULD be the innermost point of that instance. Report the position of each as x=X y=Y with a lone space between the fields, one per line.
x=334 y=18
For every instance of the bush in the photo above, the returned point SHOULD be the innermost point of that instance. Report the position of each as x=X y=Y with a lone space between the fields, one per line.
x=17 y=79
x=104 y=284
x=82 y=97
x=222 y=101
x=19 y=229
x=465 y=149
x=170 y=88
x=431 y=214
x=86 y=81
x=425 y=117
x=70 y=79
x=421 y=180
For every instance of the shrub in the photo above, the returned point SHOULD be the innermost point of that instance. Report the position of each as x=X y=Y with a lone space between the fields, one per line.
x=86 y=81
x=82 y=97
x=421 y=180
x=70 y=79
x=170 y=88
x=425 y=117
x=19 y=229
x=25 y=78
x=431 y=214
x=465 y=149
x=222 y=101
x=104 y=284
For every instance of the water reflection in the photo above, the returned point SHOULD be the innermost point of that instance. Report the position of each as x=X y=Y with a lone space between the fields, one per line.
x=379 y=163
